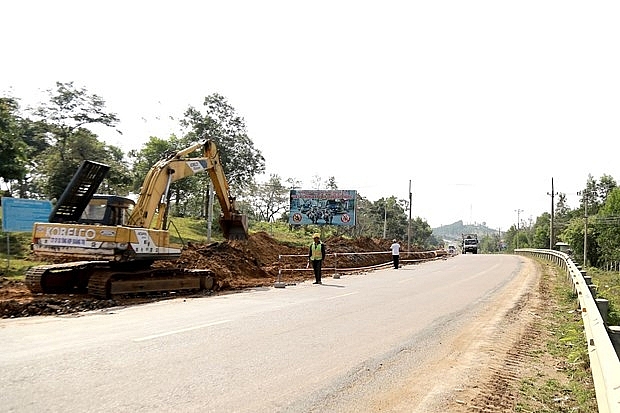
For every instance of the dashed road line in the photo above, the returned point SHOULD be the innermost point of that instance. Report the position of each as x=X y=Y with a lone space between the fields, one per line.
x=183 y=330
x=341 y=295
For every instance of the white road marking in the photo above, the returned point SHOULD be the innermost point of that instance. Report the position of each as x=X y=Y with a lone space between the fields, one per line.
x=341 y=295
x=169 y=333
x=406 y=280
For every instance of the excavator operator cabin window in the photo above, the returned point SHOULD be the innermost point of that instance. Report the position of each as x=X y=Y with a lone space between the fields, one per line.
x=95 y=211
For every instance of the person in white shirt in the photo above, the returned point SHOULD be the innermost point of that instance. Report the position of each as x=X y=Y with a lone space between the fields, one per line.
x=395 y=247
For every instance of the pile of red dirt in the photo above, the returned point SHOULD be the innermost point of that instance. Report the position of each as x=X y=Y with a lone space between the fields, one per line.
x=261 y=259
x=257 y=262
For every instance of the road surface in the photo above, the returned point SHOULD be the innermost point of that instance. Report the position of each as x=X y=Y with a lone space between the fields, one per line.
x=391 y=340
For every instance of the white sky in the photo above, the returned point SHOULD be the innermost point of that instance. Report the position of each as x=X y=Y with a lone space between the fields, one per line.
x=479 y=103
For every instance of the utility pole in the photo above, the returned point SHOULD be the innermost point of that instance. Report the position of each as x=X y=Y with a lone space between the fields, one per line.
x=409 y=222
x=551 y=234
x=585 y=226
x=518 y=211
x=384 y=218
x=585 y=232
x=210 y=211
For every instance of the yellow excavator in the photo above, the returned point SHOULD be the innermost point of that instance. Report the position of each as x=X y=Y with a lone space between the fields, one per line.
x=106 y=244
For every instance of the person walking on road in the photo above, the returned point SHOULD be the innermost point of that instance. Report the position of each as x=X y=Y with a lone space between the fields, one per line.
x=316 y=257
x=395 y=247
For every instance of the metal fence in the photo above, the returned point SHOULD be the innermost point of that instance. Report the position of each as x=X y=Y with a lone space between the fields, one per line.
x=299 y=261
x=604 y=361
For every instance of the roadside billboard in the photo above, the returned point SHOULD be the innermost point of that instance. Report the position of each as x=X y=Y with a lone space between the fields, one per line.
x=19 y=215
x=322 y=207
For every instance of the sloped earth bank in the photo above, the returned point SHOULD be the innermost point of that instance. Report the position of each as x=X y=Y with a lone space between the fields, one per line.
x=235 y=265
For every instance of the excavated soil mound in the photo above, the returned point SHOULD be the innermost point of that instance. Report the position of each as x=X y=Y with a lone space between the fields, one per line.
x=260 y=261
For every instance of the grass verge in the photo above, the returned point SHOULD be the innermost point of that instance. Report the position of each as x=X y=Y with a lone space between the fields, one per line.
x=560 y=378
x=608 y=287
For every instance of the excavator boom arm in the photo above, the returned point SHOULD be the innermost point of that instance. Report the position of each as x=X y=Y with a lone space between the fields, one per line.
x=157 y=183
x=234 y=224
x=154 y=191
x=220 y=183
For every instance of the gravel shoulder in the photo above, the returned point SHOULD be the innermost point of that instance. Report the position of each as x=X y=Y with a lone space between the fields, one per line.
x=488 y=360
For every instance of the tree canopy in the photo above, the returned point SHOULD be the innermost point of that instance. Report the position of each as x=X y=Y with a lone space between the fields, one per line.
x=219 y=122
x=13 y=149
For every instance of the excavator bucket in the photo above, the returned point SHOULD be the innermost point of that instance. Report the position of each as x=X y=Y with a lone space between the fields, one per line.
x=235 y=227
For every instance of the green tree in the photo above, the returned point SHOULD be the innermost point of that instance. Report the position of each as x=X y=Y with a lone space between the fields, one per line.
x=188 y=196
x=541 y=231
x=63 y=120
x=490 y=243
x=607 y=223
x=387 y=219
x=219 y=122
x=420 y=234
x=270 y=199
x=148 y=155
x=605 y=186
x=70 y=109
x=563 y=213
x=366 y=221
x=573 y=236
x=595 y=193
x=518 y=237
x=331 y=183
x=21 y=141
x=13 y=149
x=57 y=169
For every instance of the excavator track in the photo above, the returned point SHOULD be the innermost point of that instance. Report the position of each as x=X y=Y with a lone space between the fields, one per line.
x=98 y=284
x=107 y=284
x=34 y=276
x=104 y=281
x=55 y=278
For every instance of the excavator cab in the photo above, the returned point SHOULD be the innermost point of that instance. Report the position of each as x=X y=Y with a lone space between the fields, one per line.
x=107 y=210
x=79 y=203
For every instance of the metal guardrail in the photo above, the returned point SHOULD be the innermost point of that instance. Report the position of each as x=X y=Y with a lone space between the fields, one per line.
x=604 y=361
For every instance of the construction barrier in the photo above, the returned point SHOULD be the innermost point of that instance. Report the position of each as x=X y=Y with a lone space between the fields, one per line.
x=301 y=259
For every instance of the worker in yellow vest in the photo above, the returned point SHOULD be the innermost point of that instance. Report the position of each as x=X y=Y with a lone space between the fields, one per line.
x=316 y=257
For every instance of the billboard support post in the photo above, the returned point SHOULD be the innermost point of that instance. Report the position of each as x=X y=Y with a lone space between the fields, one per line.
x=8 y=253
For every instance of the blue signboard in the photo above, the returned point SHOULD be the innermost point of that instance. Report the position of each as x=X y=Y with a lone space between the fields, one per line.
x=322 y=207
x=19 y=215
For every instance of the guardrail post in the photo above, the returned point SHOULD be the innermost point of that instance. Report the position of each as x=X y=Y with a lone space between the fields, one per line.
x=593 y=290
x=336 y=275
x=584 y=275
x=614 y=335
x=603 y=308
x=279 y=283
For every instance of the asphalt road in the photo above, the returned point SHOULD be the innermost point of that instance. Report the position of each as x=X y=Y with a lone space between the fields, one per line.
x=304 y=348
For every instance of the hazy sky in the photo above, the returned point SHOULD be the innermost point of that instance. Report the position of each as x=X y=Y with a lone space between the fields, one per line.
x=479 y=103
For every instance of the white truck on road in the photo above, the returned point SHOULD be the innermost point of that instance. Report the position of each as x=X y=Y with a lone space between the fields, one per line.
x=470 y=243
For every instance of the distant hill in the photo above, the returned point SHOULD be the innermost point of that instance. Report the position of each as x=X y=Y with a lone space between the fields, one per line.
x=454 y=231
